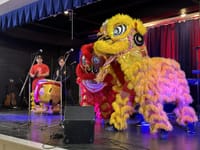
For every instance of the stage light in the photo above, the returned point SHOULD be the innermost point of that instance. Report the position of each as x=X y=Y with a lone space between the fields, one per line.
x=66 y=12
x=196 y=16
x=183 y=12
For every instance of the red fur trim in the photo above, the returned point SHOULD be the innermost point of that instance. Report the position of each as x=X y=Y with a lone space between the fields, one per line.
x=83 y=75
x=117 y=69
x=87 y=50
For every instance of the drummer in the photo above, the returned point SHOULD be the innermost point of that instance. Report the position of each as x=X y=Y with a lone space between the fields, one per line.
x=38 y=71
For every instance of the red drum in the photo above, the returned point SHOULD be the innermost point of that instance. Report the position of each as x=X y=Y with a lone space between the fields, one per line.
x=47 y=90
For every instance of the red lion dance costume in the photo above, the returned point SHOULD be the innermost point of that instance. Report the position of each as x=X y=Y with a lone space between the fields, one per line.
x=100 y=95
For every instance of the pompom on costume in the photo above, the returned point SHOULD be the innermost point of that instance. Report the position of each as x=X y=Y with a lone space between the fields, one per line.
x=154 y=81
x=100 y=95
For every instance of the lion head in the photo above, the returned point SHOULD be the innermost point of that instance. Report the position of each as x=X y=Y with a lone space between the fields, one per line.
x=120 y=34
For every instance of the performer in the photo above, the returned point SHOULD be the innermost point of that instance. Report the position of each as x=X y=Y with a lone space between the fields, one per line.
x=37 y=72
x=63 y=73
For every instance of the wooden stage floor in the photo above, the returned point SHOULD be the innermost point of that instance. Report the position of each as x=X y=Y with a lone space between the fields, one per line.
x=42 y=128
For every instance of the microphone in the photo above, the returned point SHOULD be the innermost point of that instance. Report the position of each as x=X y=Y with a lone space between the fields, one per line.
x=68 y=52
x=73 y=62
x=38 y=52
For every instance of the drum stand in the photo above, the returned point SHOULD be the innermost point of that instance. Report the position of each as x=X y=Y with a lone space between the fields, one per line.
x=61 y=104
x=61 y=111
x=61 y=91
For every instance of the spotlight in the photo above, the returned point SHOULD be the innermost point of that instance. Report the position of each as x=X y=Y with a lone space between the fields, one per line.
x=183 y=12
x=66 y=12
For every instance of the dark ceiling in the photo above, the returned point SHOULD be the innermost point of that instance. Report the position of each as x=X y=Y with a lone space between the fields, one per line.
x=80 y=26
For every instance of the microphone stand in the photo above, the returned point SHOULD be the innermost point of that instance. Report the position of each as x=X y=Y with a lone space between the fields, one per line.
x=29 y=90
x=61 y=86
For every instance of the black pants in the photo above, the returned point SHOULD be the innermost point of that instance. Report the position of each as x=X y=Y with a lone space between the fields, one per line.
x=67 y=98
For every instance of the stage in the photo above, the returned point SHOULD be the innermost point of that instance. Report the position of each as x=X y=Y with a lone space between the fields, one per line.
x=47 y=129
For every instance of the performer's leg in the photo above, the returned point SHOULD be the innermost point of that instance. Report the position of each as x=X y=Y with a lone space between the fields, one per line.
x=69 y=97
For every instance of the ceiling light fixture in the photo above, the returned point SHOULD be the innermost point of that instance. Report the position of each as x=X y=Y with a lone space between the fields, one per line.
x=172 y=20
x=183 y=12
x=3 y=1
x=66 y=12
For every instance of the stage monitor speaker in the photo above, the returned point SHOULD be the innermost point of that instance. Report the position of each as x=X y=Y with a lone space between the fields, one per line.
x=79 y=124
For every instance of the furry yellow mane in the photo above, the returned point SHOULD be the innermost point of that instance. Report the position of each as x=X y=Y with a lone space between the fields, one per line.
x=154 y=80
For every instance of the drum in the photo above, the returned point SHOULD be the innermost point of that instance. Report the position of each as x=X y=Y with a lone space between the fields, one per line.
x=47 y=90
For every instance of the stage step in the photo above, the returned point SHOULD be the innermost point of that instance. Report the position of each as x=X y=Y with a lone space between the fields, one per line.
x=13 y=143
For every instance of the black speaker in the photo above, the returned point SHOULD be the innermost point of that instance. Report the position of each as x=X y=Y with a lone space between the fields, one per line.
x=79 y=124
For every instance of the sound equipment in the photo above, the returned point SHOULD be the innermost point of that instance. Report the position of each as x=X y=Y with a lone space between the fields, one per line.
x=195 y=71
x=195 y=92
x=193 y=81
x=10 y=100
x=79 y=124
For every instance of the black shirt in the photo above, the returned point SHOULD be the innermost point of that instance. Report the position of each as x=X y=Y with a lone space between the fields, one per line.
x=63 y=75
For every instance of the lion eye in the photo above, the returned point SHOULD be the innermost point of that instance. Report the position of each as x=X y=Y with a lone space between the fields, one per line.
x=95 y=60
x=139 y=40
x=120 y=29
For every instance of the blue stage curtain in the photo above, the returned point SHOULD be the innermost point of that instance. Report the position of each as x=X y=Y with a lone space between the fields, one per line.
x=39 y=10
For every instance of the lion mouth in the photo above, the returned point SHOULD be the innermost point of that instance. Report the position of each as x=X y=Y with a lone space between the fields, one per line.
x=104 y=38
x=93 y=86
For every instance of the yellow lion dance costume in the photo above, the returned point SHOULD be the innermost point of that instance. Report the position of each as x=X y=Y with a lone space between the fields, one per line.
x=155 y=81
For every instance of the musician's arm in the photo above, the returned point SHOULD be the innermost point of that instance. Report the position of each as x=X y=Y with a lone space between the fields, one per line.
x=44 y=74
x=57 y=73
x=32 y=72
x=32 y=75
